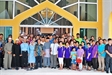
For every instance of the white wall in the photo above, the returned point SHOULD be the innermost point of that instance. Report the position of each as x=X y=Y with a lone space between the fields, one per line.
x=107 y=8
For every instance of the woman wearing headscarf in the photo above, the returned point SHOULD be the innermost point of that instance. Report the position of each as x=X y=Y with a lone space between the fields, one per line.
x=16 y=53
x=31 y=56
x=8 y=54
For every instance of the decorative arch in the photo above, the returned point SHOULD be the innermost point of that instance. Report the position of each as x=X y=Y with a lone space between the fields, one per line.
x=46 y=4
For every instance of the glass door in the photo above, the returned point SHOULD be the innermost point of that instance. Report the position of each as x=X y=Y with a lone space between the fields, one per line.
x=6 y=31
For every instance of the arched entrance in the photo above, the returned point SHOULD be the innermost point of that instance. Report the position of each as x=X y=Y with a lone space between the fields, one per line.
x=46 y=22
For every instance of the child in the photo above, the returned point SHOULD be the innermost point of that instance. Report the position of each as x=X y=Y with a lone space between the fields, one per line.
x=83 y=47
x=73 y=58
x=80 y=53
x=60 y=54
x=89 y=56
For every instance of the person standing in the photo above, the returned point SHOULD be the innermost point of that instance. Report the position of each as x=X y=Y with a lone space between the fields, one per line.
x=1 y=50
x=24 y=48
x=31 y=56
x=8 y=54
x=38 y=54
x=80 y=53
x=73 y=58
x=94 y=55
x=47 y=53
x=78 y=38
x=54 y=47
x=16 y=53
x=101 y=56
x=67 y=55
x=108 y=49
x=60 y=54
x=88 y=56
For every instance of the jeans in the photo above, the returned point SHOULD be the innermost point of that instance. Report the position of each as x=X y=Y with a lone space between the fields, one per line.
x=38 y=61
x=108 y=63
x=47 y=61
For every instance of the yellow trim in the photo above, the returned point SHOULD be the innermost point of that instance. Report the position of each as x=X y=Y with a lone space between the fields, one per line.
x=15 y=23
x=110 y=25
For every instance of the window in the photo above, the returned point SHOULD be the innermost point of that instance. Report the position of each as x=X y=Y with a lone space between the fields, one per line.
x=88 y=0
x=6 y=9
x=84 y=10
x=88 y=32
x=6 y=31
x=88 y=12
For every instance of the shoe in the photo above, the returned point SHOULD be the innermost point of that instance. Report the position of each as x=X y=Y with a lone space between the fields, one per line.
x=17 y=68
x=5 y=69
x=44 y=66
x=0 y=68
x=9 y=68
x=107 y=72
x=102 y=70
x=54 y=67
x=110 y=71
x=51 y=67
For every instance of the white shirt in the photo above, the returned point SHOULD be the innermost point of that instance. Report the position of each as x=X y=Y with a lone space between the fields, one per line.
x=42 y=43
x=54 y=47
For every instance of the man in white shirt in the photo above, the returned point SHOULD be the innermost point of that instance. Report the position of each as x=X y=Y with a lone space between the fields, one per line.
x=54 y=47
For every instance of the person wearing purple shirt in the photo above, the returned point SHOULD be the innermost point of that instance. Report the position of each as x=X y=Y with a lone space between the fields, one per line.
x=67 y=55
x=80 y=53
x=88 y=56
x=94 y=55
x=84 y=48
x=60 y=54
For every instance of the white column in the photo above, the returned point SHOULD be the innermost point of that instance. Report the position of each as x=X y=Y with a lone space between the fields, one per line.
x=13 y=9
x=71 y=31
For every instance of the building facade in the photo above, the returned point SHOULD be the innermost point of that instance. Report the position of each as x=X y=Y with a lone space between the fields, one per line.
x=49 y=16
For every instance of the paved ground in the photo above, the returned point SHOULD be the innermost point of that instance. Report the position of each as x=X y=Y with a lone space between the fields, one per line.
x=48 y=71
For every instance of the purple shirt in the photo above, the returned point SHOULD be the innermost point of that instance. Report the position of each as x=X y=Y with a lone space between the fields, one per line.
x=67 y=52
x=80 y=52
x=60 y=51
x=94 y=50
x=89 y=50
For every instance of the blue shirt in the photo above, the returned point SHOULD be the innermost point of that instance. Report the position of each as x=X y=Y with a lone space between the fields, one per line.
x=101 y=50
x=39 y=50
x=52 y=40
x=24 y=47
x=73 y=54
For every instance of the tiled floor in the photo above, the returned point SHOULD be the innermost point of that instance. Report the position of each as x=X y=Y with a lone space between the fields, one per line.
x=48 y=71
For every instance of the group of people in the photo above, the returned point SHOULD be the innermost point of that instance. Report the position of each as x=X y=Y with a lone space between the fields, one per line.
x=54 y=51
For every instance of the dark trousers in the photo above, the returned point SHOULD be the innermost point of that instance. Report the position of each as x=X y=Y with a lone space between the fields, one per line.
x=15 y=62
x=0 y=62
x=0 y=59
x=95 y=63
x=84 y=61
x=67 y=62
x=38 y=61
x=24 y=58
x=108 y=63
x=89 y=63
